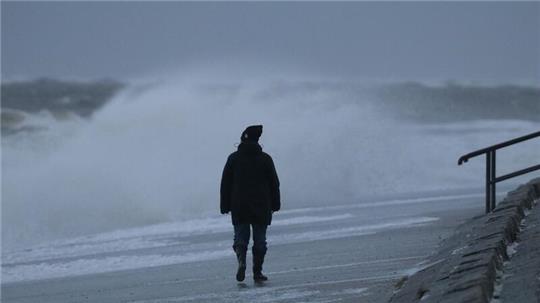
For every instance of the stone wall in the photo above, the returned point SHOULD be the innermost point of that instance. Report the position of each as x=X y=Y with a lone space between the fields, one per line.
x=465 y=267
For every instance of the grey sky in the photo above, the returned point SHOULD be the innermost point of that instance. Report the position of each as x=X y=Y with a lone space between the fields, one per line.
x=491 y=41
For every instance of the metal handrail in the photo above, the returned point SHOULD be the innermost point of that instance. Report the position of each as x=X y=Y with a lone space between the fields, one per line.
x=491 y=178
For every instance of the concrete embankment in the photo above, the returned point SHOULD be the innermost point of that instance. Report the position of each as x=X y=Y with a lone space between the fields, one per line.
x=468 y=264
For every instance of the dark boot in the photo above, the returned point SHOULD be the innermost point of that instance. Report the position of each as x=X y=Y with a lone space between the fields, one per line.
x=258 y=260
x=241 y=257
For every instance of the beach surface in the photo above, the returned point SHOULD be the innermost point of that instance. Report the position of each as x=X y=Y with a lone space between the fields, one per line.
x=338 y=253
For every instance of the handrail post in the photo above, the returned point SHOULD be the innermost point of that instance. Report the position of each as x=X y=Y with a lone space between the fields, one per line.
x=491 y=164
x=488 y=177
x=493 y=182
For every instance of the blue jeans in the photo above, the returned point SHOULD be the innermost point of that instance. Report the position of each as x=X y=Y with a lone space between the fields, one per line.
x=241 y=238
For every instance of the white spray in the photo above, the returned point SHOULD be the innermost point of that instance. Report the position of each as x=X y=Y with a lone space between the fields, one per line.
x=157 y=154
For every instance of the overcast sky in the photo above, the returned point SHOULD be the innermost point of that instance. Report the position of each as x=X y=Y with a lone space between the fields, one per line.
x=482 y=41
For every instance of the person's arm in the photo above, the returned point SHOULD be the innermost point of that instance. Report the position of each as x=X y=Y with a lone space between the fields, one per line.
x=274 y=186
x=226 y=187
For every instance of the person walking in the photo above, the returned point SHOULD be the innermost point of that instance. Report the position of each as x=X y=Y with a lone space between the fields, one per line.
x=250 y=191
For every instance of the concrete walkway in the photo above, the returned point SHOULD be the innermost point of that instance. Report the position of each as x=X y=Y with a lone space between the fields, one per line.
x=336 y=253
x=521 y=274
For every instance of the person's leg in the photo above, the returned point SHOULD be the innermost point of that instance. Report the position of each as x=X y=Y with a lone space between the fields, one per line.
x=259 y=251
x=241 y=241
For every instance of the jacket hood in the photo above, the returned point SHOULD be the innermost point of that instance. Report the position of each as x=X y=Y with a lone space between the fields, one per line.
x=250 y=148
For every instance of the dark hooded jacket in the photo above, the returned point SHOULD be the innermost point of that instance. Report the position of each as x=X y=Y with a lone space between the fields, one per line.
x=250 y=186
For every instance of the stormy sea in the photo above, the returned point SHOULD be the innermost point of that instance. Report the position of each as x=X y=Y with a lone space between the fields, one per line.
x=117 y=183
